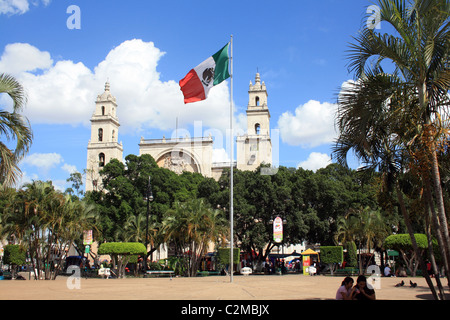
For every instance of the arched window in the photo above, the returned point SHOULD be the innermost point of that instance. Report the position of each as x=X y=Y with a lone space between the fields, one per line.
x=113 y=135
x=100 y=135
x=101 y=160
x=257 y=128
x=103 y=110
x=257 y=101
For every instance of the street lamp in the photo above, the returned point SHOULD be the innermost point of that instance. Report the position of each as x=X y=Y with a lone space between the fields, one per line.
x=149 y=198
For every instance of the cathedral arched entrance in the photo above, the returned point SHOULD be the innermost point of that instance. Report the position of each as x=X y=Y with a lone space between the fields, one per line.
x=178 y=161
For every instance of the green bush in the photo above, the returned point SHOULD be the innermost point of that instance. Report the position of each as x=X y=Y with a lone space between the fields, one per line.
x=178 y=265
x=224 y=255
x=352 y=254
x=124 y=252
x=122 y=248
x=14 y=255
x=403 y=241
x=330 y=255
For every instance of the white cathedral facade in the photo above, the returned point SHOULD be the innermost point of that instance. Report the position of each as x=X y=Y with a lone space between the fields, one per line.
x=185 y=154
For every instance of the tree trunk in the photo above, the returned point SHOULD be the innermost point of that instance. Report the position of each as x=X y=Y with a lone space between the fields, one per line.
x=443 y=224
x=431 y=256
x=436 y=177
x=438 y=233
x=413 y=240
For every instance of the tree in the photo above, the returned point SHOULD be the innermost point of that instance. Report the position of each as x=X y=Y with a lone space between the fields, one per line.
x=311 y=203
x=364 y=226
x=419 y=52
x=13 y=127
x=14 y=255
x=193 y=226
x=331 y=255
x=402 y=243
x=122 y=253
x=391 y=120
x=46 y=222
x=124 y=190
x=77 y=181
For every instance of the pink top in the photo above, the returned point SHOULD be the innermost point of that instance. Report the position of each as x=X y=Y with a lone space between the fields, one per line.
x=342 y=290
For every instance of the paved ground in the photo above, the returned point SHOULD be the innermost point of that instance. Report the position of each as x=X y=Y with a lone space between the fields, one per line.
x=287 y=287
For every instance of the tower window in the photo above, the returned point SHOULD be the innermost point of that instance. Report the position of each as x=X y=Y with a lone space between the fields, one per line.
x=100 y=135
x=113 y=135
x=101 y=160
x=257 y=128
x=103 y=110
x=257 y=101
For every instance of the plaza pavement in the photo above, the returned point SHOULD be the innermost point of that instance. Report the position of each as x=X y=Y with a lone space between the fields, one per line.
x=243 y=288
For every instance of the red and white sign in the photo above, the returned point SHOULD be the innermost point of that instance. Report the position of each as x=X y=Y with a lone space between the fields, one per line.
x=278 y=230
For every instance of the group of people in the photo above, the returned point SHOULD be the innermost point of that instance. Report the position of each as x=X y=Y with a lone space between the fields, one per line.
x=360 y=291
x=271 y=267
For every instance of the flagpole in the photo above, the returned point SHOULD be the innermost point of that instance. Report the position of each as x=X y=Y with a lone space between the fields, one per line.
x=231 y=164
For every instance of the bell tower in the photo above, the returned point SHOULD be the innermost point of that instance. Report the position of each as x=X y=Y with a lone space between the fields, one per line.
x=255 y=147
x=104 y=144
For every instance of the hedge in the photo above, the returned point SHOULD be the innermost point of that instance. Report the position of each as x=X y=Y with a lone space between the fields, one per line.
x=14 y=255
x=124 y=252
x=330 y=255
x=403 y=241
x=122 y=248
x=224 y=255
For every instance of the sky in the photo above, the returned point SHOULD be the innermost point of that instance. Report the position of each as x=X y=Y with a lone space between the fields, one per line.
x=63 y=52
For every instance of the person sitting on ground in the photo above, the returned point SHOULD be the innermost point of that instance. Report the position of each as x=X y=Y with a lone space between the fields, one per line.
x=345 y=291
x=388 y=271
x=363 y=292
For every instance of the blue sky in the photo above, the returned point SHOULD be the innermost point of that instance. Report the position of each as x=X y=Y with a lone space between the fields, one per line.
x=145 y=47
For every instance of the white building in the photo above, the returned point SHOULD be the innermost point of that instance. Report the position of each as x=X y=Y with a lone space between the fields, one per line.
x=179 y=155
x=104 y=145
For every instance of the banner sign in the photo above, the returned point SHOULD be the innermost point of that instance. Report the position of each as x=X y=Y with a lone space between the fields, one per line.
x=87 y=237
x=278 y=230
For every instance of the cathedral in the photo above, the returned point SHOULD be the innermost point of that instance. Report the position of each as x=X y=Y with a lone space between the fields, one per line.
x=180 y=154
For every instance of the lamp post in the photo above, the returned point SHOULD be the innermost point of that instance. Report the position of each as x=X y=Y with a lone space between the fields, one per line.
x=149 y=198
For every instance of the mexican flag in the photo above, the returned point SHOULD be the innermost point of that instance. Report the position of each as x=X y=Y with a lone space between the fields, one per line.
x=201 y=79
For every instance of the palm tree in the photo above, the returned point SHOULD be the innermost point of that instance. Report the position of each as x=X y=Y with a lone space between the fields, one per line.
x=388 y=119
x=193 y=226
x=364 y=226
x=13 y=127
x=418 y=51
x=47 y=222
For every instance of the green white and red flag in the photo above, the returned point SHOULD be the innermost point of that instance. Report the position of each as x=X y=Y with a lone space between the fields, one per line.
x=211 y=72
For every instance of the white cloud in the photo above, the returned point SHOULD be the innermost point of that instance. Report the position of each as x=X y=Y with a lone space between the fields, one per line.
x=65 y=92
x=315 y=161
x=311 y=125
x=69 y=168
x=220 y=155
x=44 y=161
x=22 y=57
x=12 y=7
